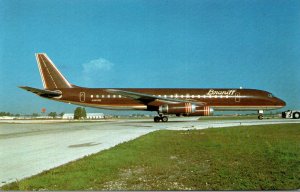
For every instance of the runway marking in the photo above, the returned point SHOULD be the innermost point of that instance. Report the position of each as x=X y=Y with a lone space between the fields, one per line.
x=84 y=145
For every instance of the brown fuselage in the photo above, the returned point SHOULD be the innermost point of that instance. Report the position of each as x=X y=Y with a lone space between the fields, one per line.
x=216 y=99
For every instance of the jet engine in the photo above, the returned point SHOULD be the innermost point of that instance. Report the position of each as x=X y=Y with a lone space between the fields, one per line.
x=181 y=108
x=186 y=109
x=203 y=111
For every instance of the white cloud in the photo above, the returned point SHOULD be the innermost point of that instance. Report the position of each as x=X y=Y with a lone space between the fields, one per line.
x=97 y=65
x=97 y=72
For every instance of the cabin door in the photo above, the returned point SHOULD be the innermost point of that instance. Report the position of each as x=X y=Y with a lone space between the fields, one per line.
x=82 y=96
x=237 y=97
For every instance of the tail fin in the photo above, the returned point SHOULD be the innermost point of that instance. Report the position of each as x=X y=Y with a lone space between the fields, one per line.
x=51 y=77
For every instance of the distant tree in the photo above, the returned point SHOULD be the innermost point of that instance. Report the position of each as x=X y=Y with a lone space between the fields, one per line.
x=52 y=114
x=34 y=114
x=61 y=114
x=79 y=113
x=83 y=113
x=5 y=114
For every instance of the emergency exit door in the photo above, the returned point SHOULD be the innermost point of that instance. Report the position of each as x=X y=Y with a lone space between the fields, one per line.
x=82 y=96
x=237 y=97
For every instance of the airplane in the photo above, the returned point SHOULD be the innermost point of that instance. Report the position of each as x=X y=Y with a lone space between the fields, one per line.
x=165 y=101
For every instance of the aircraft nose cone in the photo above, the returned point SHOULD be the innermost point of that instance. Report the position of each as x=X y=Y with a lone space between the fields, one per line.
x=281 y=103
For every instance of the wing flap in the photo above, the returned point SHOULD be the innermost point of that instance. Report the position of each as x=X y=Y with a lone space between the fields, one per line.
x=41 y=92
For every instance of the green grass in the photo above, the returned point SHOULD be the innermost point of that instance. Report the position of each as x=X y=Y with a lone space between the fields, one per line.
x=238 y=158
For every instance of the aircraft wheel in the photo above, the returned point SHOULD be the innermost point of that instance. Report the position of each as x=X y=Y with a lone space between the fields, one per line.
x=260 y=117
x=164 y=119
x=296 y=115
x=156 y=119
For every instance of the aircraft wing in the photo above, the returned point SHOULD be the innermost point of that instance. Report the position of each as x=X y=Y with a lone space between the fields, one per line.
x=147 y=98
x=41 y=92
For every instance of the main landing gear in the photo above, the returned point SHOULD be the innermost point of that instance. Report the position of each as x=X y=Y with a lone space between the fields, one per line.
x=260 y=114
x=160 y=118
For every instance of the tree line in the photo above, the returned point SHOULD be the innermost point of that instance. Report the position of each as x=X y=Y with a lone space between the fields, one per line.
x=51 y=114
x=8 y=114
x=79 y=113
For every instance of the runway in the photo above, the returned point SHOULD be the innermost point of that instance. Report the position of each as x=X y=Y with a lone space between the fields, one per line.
x=30 y=147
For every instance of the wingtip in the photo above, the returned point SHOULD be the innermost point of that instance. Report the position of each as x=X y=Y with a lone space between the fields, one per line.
x=112 y=90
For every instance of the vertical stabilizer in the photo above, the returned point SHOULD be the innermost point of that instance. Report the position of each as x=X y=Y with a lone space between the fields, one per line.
x=51 y=76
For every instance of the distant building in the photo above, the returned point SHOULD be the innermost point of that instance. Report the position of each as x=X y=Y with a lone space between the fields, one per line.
x=68 y=116
x=6 y=117
x=43 y=117
x=94 y=115
x=88 y=116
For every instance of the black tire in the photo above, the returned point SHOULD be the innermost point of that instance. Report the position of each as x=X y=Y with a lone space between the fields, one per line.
x=296 y=115
x=283 y=115
x=164 y=119
x=260 y=117
x=156 y=119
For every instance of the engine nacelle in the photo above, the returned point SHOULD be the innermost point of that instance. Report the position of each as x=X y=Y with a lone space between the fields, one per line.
x=181 y=108
x=203 y=111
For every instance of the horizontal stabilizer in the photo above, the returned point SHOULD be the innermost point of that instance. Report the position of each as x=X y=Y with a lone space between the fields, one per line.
x=42 y=92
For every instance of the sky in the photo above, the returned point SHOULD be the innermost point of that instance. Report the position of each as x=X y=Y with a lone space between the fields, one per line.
x=151 y=44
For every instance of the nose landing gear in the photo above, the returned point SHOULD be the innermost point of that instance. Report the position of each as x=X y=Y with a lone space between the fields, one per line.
x=160 y=118
x=260 y=114
x=260 y=117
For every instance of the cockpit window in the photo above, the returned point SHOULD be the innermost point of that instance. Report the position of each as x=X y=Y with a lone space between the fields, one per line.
x=270 y=95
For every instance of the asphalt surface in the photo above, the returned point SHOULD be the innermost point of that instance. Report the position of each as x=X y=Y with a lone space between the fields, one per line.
x=30 y=147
